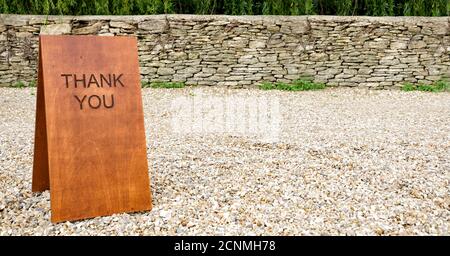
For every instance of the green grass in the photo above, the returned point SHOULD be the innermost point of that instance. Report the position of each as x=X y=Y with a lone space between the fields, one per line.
x=32 y=84
x=22 y=84
x=439 y=86
x=19 y=84
x=163 y=85
x=297 y=85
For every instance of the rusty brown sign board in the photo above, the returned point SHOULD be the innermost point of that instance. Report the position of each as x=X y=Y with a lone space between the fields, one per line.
x=90 y=147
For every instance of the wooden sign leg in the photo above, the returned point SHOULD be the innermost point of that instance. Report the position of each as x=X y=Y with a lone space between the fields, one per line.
x=41 y=179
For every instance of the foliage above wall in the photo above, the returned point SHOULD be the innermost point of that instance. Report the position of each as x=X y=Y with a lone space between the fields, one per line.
x=231 y=7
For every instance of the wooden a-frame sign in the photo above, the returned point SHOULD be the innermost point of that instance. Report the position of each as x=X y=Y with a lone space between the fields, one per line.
x=90 y=147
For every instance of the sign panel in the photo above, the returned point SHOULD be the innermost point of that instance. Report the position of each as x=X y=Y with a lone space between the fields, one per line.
x=90 y=148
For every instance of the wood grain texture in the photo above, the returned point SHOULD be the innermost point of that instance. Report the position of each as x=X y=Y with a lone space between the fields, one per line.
x=97 y=161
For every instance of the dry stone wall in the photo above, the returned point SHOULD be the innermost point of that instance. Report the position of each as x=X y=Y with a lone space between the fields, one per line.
x=242 y=51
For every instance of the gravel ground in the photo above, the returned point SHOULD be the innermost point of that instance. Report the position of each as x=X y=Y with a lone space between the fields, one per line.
x=345 y=162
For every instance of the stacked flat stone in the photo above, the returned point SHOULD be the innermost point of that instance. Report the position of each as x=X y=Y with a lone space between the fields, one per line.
x=243 y=51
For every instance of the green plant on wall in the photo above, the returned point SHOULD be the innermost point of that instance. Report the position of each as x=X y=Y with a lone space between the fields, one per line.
x=22 y=84
x=439 y=86
x=297 y=85
x=158 y=84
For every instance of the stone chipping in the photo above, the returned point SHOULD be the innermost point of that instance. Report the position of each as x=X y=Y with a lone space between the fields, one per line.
x=347 y=162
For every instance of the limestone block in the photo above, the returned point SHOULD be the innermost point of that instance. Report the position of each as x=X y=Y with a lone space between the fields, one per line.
x=147 y=70
x=56 y=29
x=318 y=56
x=417 y=45
x=268 y=58
x=165 y=71
x=398 y=45
x=121 y=24
x=257 y=44
x=389 y=61
x=88 y=30
x=153 y=26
